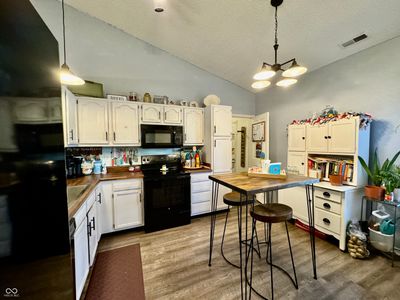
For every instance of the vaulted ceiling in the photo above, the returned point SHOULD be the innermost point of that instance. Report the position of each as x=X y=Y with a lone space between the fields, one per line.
x=231 y=38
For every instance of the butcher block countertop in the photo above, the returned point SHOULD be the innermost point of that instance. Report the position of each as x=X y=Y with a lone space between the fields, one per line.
x=80 y=188
x=201 y=170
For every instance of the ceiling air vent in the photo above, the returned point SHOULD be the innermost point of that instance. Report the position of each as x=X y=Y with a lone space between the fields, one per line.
x=354 y=40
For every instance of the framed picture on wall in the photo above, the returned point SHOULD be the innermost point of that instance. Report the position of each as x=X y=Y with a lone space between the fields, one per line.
x=258 y=132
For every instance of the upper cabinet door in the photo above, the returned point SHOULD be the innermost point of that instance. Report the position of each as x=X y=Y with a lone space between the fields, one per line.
x=71 y=120
x=297 y=138
x=317 y=138
x=31 y=111
x=173 y=115
x=222 y=119
x=222 y=159
x=92 y=121
x=125 y=123
x=151 y=113
x=193 y=126
x=342 y=136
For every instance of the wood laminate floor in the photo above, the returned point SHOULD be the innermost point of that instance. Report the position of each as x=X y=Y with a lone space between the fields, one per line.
x=175 y=265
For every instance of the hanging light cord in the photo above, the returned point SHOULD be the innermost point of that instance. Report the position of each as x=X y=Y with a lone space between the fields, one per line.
x=276 y=35
x=63 y=19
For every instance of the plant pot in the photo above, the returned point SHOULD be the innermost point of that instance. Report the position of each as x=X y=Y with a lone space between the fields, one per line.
x=336 y=179
x=396 y=193
x=374 y=192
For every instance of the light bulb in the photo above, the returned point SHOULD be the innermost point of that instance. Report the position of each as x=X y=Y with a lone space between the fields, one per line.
x=265 y=73
x=294 y=71
x=69 y=78
x=286 y=82
x=260 y=84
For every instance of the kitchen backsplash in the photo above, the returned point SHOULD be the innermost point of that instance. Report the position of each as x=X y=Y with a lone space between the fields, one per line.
x=119 y=156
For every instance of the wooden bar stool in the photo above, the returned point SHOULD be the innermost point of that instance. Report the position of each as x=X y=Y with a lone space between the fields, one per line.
x=233 y=200
x=272 y=213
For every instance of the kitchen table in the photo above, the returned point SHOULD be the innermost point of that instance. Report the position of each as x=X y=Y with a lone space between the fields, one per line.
x=248 y=187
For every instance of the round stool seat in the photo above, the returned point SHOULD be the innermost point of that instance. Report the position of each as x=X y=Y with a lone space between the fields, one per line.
x=233 y=199
x=271 y=213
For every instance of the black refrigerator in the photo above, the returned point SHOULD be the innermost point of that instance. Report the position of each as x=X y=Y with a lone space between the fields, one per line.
x=35 y=255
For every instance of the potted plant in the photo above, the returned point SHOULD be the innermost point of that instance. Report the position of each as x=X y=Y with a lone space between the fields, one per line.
x=390 y=179
x=376 y=175
x=396 y=191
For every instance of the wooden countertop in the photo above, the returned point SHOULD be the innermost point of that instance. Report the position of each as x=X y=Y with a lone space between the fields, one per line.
x=244 y=184
x=204 y=169
x=91 y=181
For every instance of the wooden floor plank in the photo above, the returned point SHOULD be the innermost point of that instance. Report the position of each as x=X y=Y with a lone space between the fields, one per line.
x=175 y=265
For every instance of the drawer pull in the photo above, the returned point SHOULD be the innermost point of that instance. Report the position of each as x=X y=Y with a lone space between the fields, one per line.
x=326 y=194
x=327 y=205
x=326 y=221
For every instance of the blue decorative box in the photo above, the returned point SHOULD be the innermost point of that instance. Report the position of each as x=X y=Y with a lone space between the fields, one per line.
x=275 y=168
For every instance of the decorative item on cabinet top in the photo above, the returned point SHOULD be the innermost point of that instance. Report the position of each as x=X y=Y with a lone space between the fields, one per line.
x=117 y=97
x=330 y=114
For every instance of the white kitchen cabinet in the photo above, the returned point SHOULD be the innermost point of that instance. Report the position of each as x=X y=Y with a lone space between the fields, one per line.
x=151 y=113
x=128 y=209
x=54 y=110
x=200 y=187
x=297 y=161
x=99 y=202
x=70 y=118
x=296 y=137
x=31 y=111
x=296 y=199
x=317 y=138
x=193 y=126
x=222 y=120
x=125 y=123
x=222 y=158
x=92 y=231
x=93 y=121
x=173 y=115
x=342 y=136
x=81 y=257
x=107 y=223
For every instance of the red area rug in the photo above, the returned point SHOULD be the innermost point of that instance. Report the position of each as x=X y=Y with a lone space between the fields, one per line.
x=117 y=275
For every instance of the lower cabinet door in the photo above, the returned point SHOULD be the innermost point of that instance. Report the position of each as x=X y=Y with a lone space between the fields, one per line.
x=92 y=232
x=296 y=199
x=128 y=209
x=81 y=258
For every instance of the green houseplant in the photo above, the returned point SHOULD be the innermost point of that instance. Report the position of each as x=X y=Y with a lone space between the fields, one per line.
x=378 y=175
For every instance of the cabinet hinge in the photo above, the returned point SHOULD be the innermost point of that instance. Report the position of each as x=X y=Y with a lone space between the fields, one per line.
x=76 y=101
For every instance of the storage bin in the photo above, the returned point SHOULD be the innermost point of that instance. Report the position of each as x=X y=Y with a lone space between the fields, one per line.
x=380 y=241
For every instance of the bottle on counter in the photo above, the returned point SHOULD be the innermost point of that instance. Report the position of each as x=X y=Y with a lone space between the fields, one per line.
x=197 y=160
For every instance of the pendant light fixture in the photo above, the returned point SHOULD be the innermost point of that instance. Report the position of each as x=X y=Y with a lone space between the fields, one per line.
x=66 y=75
x=269 y=70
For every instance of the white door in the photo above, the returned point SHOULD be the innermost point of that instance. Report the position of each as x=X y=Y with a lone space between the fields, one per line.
x=128 y=209
x=173 y=115
x=342 y=136
x=151 y=113
x=81 y=253
x=99 y=203
x=7 y=134
x=317 y=138
x=92 y=232
x=71 y=120
x=125 y=123
x=297 y=138
x=222 y=120
x=298 y=161
x=222 y=159
x=93 y=121
x=193 y=126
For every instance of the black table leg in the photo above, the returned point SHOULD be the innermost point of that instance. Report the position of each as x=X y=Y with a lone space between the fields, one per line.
x=240 y=246
x=214 y=201
x=310 y=210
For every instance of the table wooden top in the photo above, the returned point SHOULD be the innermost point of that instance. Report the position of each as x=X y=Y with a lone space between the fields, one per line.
x=244 y=184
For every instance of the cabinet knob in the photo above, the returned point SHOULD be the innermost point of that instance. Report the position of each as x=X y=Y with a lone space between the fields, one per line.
x=329 y=137
x=302 y=164
x=325 y=137
x=326 y=221
x=326 y=194
x=303 y=138
x=327 y=205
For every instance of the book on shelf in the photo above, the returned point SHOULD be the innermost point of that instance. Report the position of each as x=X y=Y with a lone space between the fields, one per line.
x=328 y=166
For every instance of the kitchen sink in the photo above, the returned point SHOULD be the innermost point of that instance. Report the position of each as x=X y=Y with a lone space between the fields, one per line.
x=73 y=192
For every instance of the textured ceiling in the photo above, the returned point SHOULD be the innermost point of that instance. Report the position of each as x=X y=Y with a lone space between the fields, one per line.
x=231 y=38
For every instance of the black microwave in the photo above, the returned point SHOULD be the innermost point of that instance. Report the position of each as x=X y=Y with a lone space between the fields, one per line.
x=161 y=136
